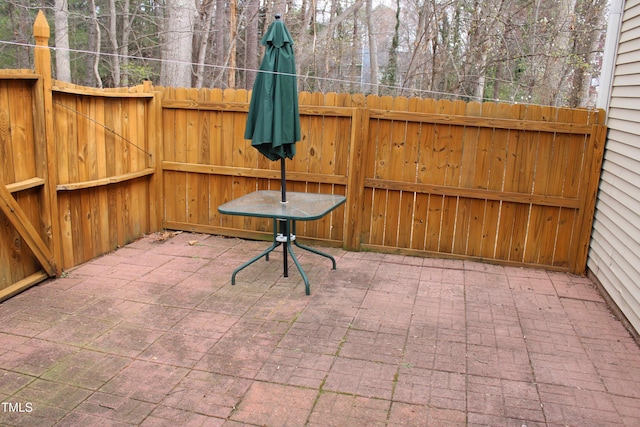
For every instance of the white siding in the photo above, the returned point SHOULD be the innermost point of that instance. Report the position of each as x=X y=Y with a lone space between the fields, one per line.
x=614 y=256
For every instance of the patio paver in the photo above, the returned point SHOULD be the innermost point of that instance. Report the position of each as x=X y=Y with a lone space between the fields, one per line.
x=154 y=334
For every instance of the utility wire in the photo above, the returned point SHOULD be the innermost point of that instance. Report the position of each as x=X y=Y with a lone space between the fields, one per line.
x=225 y=67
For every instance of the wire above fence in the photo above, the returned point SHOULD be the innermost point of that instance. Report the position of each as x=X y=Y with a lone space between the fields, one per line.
x=360 y=84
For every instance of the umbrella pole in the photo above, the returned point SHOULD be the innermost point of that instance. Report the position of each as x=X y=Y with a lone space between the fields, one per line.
x=283 y=182
x=284 y=229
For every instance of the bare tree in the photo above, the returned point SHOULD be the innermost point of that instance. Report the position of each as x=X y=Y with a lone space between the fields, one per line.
x=536 y=51
x=310 y=43
x=585 y=43
x=557 y=27
x=484 y=30
x=16 y=13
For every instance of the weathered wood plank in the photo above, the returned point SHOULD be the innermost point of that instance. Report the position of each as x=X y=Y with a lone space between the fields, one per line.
x=105 y=181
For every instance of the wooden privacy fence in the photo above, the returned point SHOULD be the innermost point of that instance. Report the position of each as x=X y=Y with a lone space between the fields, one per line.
x=84 y=171
x=513 y=184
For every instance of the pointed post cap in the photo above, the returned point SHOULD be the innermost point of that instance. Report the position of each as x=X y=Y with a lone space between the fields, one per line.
x=41 y=30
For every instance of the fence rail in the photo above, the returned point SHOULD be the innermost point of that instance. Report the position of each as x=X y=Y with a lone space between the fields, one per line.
x=84 y=171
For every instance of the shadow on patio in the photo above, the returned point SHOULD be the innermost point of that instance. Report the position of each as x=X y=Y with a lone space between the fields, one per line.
x=154 y=334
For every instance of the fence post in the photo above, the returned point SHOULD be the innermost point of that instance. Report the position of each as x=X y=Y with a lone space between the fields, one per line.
x=588 y=196
x=42 y=62
x=355 y=179
x=155 y=137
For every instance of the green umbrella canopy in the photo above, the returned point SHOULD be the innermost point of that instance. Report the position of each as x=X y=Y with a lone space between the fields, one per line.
x=273 y=123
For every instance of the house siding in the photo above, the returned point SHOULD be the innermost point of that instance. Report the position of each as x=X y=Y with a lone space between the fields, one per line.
x=614 y=256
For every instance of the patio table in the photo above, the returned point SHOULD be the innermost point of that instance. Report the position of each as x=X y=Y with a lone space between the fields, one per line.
x=298 y=207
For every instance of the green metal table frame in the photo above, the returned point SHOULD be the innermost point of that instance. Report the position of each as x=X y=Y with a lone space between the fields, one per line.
x=298 y=207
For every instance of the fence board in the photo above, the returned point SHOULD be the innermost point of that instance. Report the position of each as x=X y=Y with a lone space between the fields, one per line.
x=192 y=155
x=324 y=163
x=203 y=156
x=180 y=146
x=169 y=117
x=394 y=171
x=22 y=132
x=382 y=171
x=7 y=174
x=450 y=146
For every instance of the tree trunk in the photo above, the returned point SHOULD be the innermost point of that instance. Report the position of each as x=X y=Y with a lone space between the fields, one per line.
x=220 y=35
x=329 y=53
x=252 y=42
x=355 y=44
x=304 y=16
x=96 y=61
x=124 y=46
x=231 y=82
x=472 y=85
x=390 y=76
x=63 y=63
x=206 y=18
x=178 y=45
x=373 y=50
x=113 y=39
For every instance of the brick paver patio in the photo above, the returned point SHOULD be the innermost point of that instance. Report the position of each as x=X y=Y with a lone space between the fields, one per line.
x=154 y=334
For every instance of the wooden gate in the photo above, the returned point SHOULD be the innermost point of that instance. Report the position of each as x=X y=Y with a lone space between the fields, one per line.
x=25 y=215
x=76 y=170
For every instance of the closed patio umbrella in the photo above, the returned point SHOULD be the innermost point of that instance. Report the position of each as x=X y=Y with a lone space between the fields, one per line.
x=273 y=123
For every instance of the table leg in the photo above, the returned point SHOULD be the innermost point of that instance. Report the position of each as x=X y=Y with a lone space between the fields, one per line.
x=288 y=229
x=284 y=229
x=315 y=251
x=307 y=289
x=265 y=254
x=275 y=234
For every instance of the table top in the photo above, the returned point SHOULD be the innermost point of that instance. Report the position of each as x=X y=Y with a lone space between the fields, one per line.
x=268 y=204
